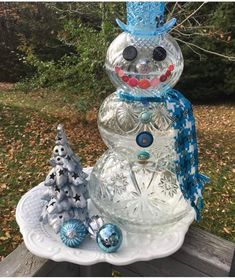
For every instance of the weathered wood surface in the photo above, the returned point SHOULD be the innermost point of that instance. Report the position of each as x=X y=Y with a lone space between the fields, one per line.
x=232 y=270
x=21 y=263
x=206 y=251
x=202 y=254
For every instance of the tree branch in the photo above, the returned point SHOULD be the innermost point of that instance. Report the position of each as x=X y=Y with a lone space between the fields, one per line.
x=193 y=50
x=188 y=17
x=230 y=58
x=172 y=12
x=214 y=34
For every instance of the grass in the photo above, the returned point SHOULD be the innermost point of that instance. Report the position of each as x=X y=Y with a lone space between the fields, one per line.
x=27 y=132
x=216 y=134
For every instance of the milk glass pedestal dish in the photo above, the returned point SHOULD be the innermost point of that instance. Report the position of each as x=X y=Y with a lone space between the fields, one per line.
x=44 y=242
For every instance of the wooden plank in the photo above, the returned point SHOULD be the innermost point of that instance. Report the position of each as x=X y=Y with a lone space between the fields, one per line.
x=166 y=267
x=20 y=263
x=202 y=254
x=61 y=269
x=232 y=269
x=126 y=271
x=96 y=270
x=64 y=269
x=206 y=252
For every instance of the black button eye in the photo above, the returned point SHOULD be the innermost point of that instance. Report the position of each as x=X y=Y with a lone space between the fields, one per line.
x=56 y=150
x=159 y=53
x=129 y=53
x=62 y=149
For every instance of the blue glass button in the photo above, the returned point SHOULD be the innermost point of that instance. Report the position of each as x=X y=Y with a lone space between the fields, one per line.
x=144 y=139
x=145 y=117
x=143 y=155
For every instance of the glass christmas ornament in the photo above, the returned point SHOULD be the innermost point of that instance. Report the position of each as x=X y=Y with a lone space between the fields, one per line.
x=73 y=232
x=148 y=179
x=94 y=224
x=109 y=238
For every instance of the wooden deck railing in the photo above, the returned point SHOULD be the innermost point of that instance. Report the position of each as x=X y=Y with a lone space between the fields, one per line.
x=202 y=254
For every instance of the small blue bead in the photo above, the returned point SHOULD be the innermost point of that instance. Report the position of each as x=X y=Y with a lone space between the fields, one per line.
x=144 y=139
x=143 y=155
x=145 y=117
x=109 y=238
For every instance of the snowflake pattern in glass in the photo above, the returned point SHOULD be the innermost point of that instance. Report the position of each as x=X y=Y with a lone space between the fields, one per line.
x=168 y=183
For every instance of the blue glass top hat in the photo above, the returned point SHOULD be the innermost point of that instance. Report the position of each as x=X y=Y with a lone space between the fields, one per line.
x=146 y=19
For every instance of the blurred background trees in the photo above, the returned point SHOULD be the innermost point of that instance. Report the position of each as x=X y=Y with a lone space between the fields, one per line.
x=62 y=46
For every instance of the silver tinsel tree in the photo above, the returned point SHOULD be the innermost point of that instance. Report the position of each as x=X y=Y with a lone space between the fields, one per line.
x=66 y=194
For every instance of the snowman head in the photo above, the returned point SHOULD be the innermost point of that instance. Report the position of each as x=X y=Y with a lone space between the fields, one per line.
x=144 y=58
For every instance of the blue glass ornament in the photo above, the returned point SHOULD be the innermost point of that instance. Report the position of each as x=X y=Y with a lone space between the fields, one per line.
x=73 y=232
x=109 y=238
x=144 y=139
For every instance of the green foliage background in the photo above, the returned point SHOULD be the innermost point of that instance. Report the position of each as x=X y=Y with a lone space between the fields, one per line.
x=62 y=46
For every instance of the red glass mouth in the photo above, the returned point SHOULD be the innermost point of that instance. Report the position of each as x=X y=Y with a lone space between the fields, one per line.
x=143 y=83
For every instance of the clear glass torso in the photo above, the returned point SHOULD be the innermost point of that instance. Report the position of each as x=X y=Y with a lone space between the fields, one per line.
x=136 y=186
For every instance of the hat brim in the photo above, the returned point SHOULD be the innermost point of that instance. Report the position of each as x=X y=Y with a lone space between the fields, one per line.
x=134 y=31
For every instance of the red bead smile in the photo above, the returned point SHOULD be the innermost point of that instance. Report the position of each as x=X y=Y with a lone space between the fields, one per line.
x=143 y=83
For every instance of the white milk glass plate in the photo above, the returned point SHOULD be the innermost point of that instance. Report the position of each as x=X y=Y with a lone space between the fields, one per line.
x=42 y=241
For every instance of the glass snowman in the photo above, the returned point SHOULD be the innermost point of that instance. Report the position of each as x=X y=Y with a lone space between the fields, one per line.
x=135 y=182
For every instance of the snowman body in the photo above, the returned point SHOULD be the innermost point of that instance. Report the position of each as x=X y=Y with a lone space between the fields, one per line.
x=140 y=182
x=134 y=183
